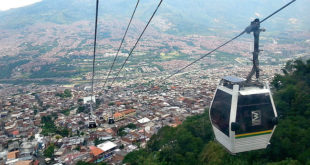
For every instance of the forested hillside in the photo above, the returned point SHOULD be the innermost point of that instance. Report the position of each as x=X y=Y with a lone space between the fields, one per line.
x=193 y=141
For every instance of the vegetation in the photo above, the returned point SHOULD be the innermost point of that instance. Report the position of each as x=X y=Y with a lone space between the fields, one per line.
x=192 y=142
x=83 y=109
x=60 y=69
x=65 y=94
x=49 y=151
x=35 y=111
x=66 y=112
x=121 y=130
x=50 y=128
x=97 y=141
x=7 y=70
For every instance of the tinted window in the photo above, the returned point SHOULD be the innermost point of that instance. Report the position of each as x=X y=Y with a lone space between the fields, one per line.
x=220 y=111
x=254 y=113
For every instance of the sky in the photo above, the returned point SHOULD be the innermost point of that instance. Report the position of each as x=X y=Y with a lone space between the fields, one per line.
x=9 y=4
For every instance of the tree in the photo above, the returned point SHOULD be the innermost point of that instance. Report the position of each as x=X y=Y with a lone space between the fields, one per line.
x=80 y=100
x=49 y=151
x=67 y=93
x=122 y=147
x=31 y=138
x=213 y=153
x=78 y=148
x=135 y=157
x=35 y=111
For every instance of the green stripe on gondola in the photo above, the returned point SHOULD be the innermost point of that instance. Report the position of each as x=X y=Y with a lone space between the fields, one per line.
x=253 y=134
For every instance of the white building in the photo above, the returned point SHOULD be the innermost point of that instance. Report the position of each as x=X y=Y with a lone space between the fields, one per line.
x=88 y=99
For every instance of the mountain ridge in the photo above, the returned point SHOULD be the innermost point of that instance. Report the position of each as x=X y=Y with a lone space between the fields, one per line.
x=193 y=16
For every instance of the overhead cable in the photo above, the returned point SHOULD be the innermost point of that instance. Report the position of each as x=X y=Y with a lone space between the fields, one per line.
x=94 y=56
x=133 y=48
x=119 y=48
x=225 y=43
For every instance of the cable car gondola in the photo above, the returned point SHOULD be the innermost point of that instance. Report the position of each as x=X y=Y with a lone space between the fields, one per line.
x=243 y=116
x=92 y=118
x=111 y=120
x=92 y=124
x=92 y=121
x=242 y=113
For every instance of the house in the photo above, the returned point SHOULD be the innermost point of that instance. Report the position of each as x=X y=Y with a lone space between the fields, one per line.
x=24 y=162
x=12 y=155
x=97 y=153
x=103 y=151
x=13 y=146
x=121 y=115
x=27 y=149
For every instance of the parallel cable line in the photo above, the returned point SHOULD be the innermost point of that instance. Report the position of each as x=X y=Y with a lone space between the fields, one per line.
x=119 y=48
x=136 y=42
x=94 y=59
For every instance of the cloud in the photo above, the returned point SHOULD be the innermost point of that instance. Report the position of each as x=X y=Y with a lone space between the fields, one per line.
x=293 y=20
x=216 y=20
x=9 y=4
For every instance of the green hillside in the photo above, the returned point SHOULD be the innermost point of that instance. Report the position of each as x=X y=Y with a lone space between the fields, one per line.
x=192 y=142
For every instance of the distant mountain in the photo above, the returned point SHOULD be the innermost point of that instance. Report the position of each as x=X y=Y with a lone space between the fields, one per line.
x=182 y=17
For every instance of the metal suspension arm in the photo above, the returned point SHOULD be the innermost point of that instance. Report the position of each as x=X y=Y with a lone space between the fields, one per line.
x=255 y=28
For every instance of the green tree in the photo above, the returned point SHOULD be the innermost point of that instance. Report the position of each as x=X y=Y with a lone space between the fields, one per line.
x=213 y=153
x=35 y=111
x=49 y=151
x=135 y=157
x=67 y=93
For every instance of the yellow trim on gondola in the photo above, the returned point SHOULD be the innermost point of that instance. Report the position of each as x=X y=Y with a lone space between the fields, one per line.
x=253 y=134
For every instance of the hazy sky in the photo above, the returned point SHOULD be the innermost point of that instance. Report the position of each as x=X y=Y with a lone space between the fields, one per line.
x=9 y=4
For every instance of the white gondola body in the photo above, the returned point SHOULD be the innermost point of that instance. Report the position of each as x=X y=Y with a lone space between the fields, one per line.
x=252 y=108
x=92 y=124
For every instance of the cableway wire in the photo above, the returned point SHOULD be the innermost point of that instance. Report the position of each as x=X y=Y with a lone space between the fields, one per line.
x=277 y=11
x=161 y=81
x=133 y=48
x=94 y=59
x=119 y=48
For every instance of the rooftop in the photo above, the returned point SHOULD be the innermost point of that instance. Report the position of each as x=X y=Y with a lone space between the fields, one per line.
x=106 y=146
x=95 y=150
x=12 y=155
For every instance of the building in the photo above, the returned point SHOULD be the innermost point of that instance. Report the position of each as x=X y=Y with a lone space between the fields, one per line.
x=97 y=153
x=121 y=115
x=103 y=151
x=88 y=99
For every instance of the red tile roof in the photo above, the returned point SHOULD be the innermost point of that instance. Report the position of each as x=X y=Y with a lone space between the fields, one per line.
x=16 y=132
x=128 y=111
x=95 y=150
x=117 y=115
